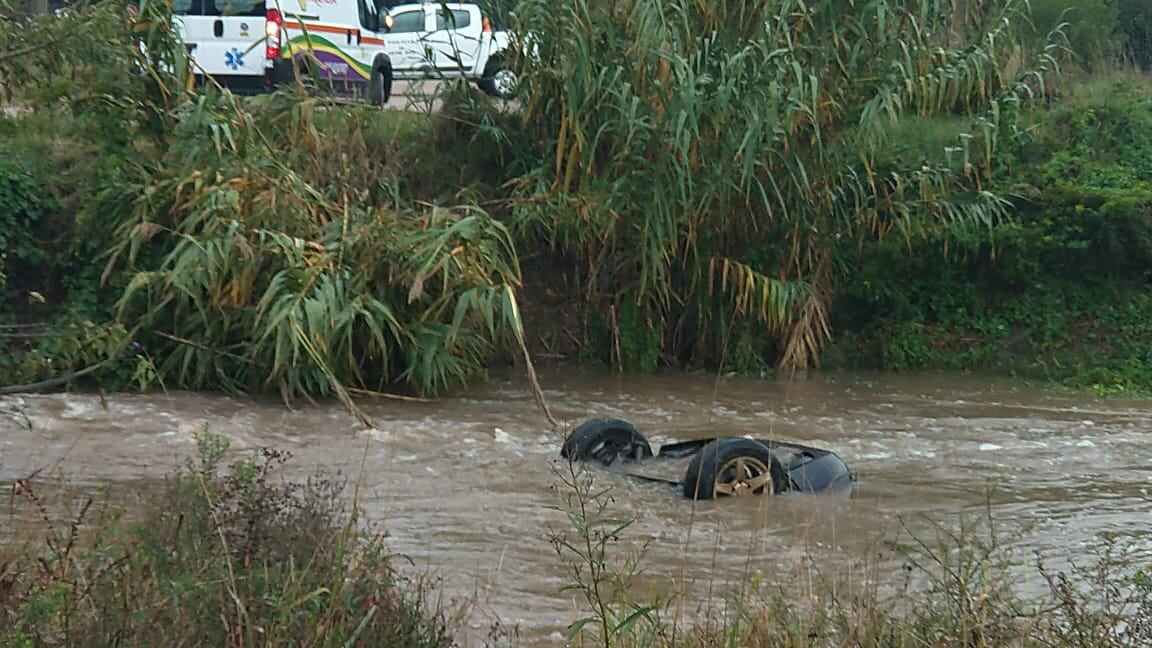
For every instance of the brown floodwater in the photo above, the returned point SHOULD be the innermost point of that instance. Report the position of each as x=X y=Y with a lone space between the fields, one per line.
x=463 y=484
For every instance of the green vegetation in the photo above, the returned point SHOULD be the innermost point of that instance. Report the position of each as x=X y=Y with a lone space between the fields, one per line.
x=1061 y=291
x=215 y=557
x=905 y=185
x=247 y=245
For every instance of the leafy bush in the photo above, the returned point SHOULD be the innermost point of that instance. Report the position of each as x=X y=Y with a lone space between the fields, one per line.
x=242 y=243
x=267 y=255
x=25 y=204
x=79 y=121
x=1135 y=23
x=685 y=201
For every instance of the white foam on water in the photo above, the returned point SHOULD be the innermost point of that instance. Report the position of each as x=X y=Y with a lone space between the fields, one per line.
x=86 y=409
x=376 y=434
x=188 y=429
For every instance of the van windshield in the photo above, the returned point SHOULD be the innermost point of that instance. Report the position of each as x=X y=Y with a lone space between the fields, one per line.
x=218 y=7
x=234 y=7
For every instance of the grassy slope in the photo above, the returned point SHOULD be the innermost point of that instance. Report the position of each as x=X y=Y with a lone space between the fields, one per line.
x=1062 y=291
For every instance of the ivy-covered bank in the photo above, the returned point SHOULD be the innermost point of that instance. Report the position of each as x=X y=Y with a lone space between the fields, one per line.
x=924 y=191
x=1061 y=291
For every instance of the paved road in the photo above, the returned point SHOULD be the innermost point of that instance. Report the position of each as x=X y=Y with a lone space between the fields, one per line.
x=423 y=96
x=417 y=96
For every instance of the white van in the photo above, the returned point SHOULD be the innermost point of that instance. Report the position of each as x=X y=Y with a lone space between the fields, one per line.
x=225 y=40
x=448 y=40
x=253 y=45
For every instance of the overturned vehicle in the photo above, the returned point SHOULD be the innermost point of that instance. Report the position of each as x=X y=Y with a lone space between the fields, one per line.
x=719 y=466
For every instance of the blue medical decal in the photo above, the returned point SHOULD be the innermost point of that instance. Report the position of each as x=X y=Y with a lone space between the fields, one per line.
x=234 y=59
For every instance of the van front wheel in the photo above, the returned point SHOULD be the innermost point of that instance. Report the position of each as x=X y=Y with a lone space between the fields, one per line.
x=499 y=80
x=380 y=86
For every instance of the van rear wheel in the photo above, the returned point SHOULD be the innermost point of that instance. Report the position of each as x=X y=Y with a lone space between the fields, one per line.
x=380 y=86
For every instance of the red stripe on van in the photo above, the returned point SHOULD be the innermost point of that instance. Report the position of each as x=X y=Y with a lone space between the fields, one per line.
x=331 y=29
x=327 y=29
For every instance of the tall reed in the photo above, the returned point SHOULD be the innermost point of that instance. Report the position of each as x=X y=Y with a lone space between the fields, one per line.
x=721 y=162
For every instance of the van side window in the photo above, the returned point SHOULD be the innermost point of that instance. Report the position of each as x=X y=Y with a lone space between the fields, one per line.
x=408 y=21
x=456 y=19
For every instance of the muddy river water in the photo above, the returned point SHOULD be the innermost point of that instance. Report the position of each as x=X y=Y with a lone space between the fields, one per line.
x=463 y=484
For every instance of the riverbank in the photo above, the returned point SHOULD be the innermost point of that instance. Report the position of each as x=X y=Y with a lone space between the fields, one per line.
x=299 y=246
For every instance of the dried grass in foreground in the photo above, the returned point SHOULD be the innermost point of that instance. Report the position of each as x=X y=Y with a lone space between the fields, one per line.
x=959 y=589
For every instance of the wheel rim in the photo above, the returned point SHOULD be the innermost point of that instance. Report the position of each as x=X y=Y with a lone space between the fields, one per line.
x=505 y=81
x=743 y=476
x=606 y=451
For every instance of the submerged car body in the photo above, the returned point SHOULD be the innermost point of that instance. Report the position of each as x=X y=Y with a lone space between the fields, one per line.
x=720 y=466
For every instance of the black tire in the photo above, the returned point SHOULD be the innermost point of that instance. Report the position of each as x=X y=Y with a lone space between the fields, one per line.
x=380 y=85
x=306 y=74
x=605 y=440
x=722 y=459
x=494 y=87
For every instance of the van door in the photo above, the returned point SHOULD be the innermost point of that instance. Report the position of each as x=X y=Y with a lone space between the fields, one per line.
x=225 y=37
x=407 y=27
x=455 y=36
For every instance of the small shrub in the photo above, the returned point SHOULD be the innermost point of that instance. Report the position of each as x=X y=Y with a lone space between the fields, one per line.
x=25 y=204
x=603 y=580
x=219 y=558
